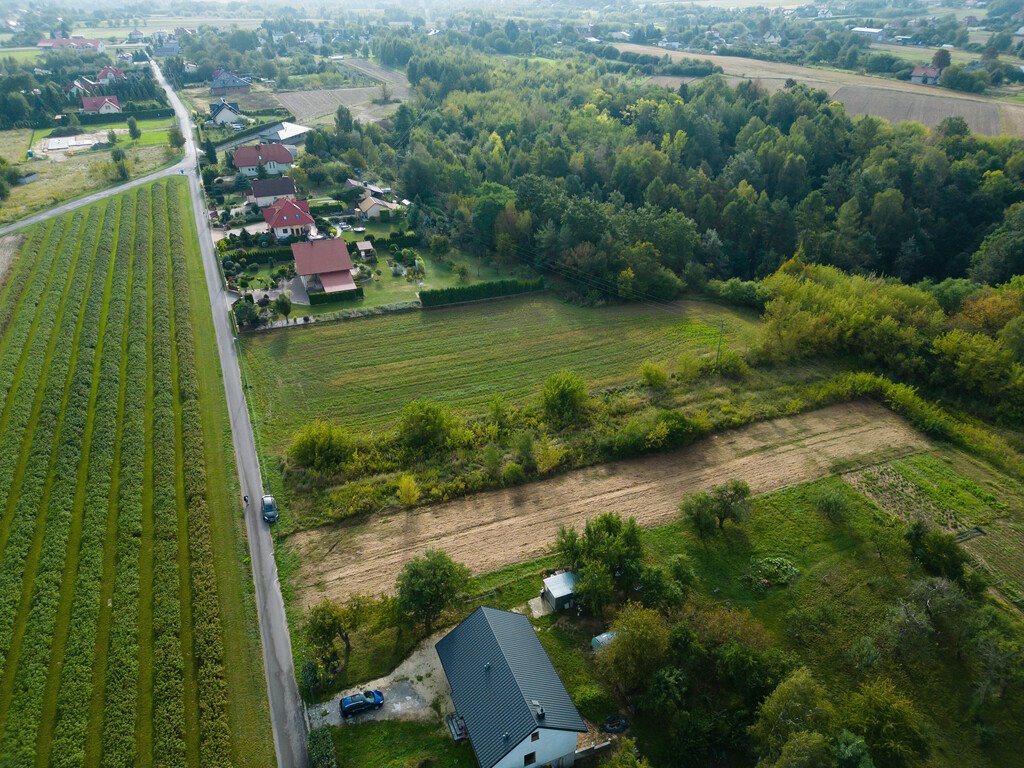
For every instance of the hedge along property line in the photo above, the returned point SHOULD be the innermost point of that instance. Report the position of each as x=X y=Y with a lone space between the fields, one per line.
x=62 y=737
x=335 y=298
x=28 y=663
x=44 y=392
x=118 y=699
x=122 y=117
x=459 y=294
x=208 y=643
x=169 y=617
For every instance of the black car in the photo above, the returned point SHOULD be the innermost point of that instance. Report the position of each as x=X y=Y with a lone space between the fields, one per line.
x=360 y=702
x=269 y=508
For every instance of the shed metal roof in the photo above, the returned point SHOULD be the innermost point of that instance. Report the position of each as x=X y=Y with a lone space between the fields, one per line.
x=497 y=670
x=561 y=584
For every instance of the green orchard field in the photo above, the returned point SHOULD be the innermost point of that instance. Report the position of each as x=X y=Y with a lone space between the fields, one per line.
x=361 y=373
x=127 y=638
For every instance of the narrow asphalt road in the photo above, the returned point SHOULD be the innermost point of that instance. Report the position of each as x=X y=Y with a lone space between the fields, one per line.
x=287 y=713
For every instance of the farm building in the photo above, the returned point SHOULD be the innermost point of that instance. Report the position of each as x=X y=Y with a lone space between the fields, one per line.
x=925 y=75
x=559 y=590
x=266 y=192
x=288 y=218
x=284 y=132
x=372 y=207
x=76 y=43
x=324 y=266
x=224 y=83
x=509 y=700
x=275 y=159
x=871 y=32
x=100 y=105
x=225 y=112
x=136 y=36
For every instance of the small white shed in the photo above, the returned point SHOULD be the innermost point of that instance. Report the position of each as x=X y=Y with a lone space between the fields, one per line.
x=559 y=590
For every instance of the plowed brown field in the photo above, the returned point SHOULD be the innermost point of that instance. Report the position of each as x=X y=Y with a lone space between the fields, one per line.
x=491 y=530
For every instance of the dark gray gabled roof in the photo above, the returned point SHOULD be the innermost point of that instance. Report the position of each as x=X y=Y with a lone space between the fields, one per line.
x=275 y=185
x=497 y=669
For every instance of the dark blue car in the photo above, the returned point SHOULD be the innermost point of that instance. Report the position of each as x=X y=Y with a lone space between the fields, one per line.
x=360 y=702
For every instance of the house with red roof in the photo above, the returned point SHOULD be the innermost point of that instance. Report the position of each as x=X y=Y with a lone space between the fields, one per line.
x=275 y=158
x=324 y=266
x=288 y=218
x=100 y=105
x=111 y=75
x=925 y=75
x=75 y=42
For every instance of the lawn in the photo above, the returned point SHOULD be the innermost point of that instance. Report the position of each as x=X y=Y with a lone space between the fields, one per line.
x=20 y=55
x=114 y=601
x=362 y=373
x=121 y=127
x=400 y=744
x=78 y=174
x=14 y=144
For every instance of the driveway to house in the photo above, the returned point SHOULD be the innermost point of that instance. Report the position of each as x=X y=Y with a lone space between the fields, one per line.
x=287 y=713
x=409 y=692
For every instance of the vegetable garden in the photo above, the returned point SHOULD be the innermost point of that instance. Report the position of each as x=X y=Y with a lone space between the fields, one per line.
x=112 y=643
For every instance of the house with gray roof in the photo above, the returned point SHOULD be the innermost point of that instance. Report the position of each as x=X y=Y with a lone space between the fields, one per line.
x=509 y=700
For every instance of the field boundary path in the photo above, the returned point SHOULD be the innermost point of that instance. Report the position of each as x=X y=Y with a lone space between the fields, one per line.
x=287 y=712
x=492 y=530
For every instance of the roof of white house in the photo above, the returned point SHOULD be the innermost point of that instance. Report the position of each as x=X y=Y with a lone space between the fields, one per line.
x=561 y=584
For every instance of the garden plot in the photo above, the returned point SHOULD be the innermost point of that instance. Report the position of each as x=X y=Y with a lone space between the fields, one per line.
x=492 y=530
x=320 y=105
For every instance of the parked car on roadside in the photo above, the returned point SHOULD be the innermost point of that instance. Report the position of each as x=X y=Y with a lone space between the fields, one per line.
x=361 y=702
x=268 y=506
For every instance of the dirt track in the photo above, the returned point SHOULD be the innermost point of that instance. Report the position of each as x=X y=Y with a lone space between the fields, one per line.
x=499 y=528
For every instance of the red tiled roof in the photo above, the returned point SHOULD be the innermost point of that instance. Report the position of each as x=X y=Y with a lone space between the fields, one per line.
x=288 y=213
x=93 y=103
x=925 y=72
x=321 y=257
x=117 y=73
x=250 y=157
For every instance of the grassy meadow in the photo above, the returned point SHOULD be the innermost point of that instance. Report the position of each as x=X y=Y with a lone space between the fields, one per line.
x=362 y=373
x=127 y=637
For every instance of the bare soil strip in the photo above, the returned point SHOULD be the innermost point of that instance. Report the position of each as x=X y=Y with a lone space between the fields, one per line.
x=492 y=530
x=9 y=245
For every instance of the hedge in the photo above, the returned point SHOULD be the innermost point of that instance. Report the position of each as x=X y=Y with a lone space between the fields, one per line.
x=260 y=254
x=331 y=298
x=439 y=297
x=122 y=117
x=321 y=749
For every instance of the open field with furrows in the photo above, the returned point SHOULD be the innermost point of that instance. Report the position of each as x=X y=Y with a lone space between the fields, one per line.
x=126 y=638
x=260 y=97
x=157 y=23
x=883 y=97
x=362 y=373
x=492 y=530
x=319 y=105
x=69 y=175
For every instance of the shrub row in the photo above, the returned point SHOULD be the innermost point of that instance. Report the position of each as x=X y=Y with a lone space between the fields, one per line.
x=17 y=321
x=333 y=298
x=167 y=652
x=38 y=397
x=439 y=297
x=139 y=114
x=334 y=207
x=264 y=254
x=21 y=276
x=207 y=640
x=120 y=690
x=58 y=505
x=75 y=691
x=321 y=749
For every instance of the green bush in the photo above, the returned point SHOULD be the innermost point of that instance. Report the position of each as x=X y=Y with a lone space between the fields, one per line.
x=513 y=474
x=564 y=398
x=333 y=298
x=653 y=375
x=322 y=447
x=321 y=749
x=425 y=425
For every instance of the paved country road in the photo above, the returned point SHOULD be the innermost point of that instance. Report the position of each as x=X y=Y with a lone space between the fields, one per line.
x=287 y=713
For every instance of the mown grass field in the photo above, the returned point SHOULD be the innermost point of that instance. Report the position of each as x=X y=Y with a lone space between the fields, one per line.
x=362 y=373
x=127 y=638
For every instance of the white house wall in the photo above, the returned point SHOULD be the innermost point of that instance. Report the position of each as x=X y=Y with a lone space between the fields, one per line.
x=557 y=748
